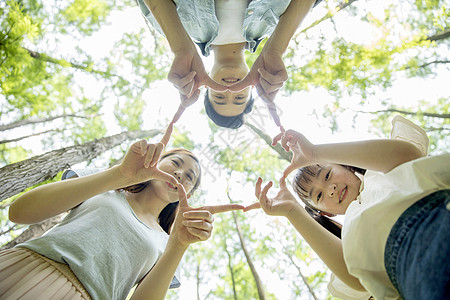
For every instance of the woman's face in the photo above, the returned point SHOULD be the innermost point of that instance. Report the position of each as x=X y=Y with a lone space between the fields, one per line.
x=181 y=166
x=333 y=189
x=229 y=103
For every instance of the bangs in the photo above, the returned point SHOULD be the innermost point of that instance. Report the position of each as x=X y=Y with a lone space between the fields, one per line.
x=303 y=178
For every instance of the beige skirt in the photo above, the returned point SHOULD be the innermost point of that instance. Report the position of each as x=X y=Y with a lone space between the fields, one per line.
x=24 y=275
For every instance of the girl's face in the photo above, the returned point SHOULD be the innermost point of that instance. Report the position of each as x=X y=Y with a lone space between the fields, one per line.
x=229 y=103
x=181 y=166
x=333 y=189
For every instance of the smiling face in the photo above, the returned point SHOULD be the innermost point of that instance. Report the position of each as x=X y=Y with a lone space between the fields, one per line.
x=329 y=188
x=184 y=168
x=229 y=103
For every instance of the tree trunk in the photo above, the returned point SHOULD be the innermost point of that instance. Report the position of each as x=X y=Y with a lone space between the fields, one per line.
x=230 y=267
x=21 y=175
x=258 y=281
x=37 y=121
x=34 y=231
x=440 y=35
x=28 y=136
x=310 y=289
x=280 y=150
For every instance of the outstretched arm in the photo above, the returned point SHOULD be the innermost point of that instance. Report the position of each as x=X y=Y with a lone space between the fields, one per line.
x=139 y=165
x=380 y=155
x=191 y=225
x=327 y=246
x=187 y=72
x=268 y=72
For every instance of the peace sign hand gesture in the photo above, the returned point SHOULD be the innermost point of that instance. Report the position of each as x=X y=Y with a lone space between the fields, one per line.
x=195 y=224
x=141 y=161
x=188 y=74
x=304 y=152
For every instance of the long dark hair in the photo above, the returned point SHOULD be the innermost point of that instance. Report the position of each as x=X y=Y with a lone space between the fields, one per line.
x=301 y=179
x=167 y=215
x=233 y=122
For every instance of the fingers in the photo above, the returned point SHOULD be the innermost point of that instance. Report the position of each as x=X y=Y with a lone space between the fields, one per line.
x=275 y=81
x=252 y=206
x=285 y=141
x=178 y=114
x=182 y=197
x=243 y=84
x=198 y=224
x=207 y=81
x=258 y=187
x=289 y=170
x=273 y=112
x=277 y=138
x=283 y=183
x=200 y=214
x=153 y=153
x=215 y=209
x=201 y=235
x=183 y=84
x=163 y=176
x=165 y=139
x=266 y=189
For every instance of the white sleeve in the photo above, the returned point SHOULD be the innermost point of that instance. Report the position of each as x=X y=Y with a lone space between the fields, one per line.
x=339 y=289
x=405 y=130
x=80 y=172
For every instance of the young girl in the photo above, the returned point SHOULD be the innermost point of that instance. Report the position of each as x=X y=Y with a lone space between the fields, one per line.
x=227 y=28
x=116 y=234
x=395 y=238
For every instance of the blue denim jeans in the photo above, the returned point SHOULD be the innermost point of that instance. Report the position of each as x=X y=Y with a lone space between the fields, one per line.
x=417 y=253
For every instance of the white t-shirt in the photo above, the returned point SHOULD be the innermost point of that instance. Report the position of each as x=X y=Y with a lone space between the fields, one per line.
x=383 y=198
x=230 y=14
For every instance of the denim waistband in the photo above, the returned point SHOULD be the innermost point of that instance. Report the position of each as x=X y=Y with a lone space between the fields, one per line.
x=410 y=220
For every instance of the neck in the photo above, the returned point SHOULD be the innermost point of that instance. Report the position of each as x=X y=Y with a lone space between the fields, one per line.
x=146 y=203
x=229 y=54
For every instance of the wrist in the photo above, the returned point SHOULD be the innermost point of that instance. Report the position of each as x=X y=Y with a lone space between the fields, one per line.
x=295 y=212
x=175 y=244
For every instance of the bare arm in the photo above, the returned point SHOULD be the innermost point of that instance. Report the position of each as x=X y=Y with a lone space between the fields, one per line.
x=287 y=25
x=327 y=246
x=139 y=165
x=166 y=15
x=380 y=155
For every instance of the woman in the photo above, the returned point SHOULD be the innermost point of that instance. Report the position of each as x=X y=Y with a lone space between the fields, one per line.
x=116 y=234
x=395 y=236
x=227 y=28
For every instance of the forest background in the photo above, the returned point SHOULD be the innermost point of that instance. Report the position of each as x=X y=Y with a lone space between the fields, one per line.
x=81 y=80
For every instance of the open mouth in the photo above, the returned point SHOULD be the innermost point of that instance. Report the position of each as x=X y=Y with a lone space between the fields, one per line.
x=230 y=80
x=343 y=194
x=171 y=186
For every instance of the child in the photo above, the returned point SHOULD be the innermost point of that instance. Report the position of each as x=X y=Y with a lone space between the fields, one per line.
x=227 y=28
x=116 y=234
x=395 y=238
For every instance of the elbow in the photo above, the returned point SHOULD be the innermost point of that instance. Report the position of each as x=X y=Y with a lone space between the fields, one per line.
x=407 y=152
x=17 y=214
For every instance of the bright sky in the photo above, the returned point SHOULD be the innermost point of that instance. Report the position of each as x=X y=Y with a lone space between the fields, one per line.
x=296 y=111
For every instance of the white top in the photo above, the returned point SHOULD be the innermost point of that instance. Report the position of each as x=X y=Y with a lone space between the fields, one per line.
x=104 y=243
x=230 y=14
x=383 y=198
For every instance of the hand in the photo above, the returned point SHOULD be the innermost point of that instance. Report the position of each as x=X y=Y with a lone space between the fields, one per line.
x=303 y=150
x=268 y=75
x=195 y=224
x=281 y=205
x=141 y=161
x=188 y=74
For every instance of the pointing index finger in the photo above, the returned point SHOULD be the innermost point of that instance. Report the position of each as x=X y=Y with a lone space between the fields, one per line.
x=165 y=139
x=215 y=209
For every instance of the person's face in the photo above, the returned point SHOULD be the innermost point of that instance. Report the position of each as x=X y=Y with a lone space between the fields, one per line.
x=181 y=166
x=229 y=103
x=333 y=189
